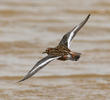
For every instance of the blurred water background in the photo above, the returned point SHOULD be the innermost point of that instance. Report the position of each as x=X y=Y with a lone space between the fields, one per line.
x=28 y=27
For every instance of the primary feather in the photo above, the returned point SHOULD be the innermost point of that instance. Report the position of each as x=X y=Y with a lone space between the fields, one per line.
x=67 y=38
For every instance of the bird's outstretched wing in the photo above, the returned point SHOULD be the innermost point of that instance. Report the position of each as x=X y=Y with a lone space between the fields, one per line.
x=40 y=64
x=69 y=36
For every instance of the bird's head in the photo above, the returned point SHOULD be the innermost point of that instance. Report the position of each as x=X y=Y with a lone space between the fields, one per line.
x=47 y=50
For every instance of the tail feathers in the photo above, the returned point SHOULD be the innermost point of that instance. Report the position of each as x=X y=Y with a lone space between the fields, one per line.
x=76 y=57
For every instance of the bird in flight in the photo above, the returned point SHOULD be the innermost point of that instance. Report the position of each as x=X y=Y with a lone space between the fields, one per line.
x=60 y=52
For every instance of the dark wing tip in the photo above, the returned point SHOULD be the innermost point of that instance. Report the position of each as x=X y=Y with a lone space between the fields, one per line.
x=25 y=77
x=21 y=80
x=43 y=62
x=78 y=27
x=88 y=16
x=75 y=29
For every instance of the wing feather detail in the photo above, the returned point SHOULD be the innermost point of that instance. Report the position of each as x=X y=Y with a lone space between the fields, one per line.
x=67 y=38
x=40 y=64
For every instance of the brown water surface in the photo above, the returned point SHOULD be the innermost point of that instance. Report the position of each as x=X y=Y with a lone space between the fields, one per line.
x=28 y=27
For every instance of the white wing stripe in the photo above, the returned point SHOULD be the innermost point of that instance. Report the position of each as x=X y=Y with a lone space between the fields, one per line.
x=43 y=63
x=69 y=39
x=76 y=29
x=71 y=35
x=38 y=67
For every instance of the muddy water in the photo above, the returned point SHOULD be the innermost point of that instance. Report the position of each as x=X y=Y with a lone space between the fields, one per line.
x=27 y=27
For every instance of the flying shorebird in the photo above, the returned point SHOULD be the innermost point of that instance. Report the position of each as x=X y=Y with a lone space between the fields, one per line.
x=60 y=52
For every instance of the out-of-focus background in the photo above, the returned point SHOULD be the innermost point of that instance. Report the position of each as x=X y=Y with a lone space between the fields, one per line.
x=28 y=27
